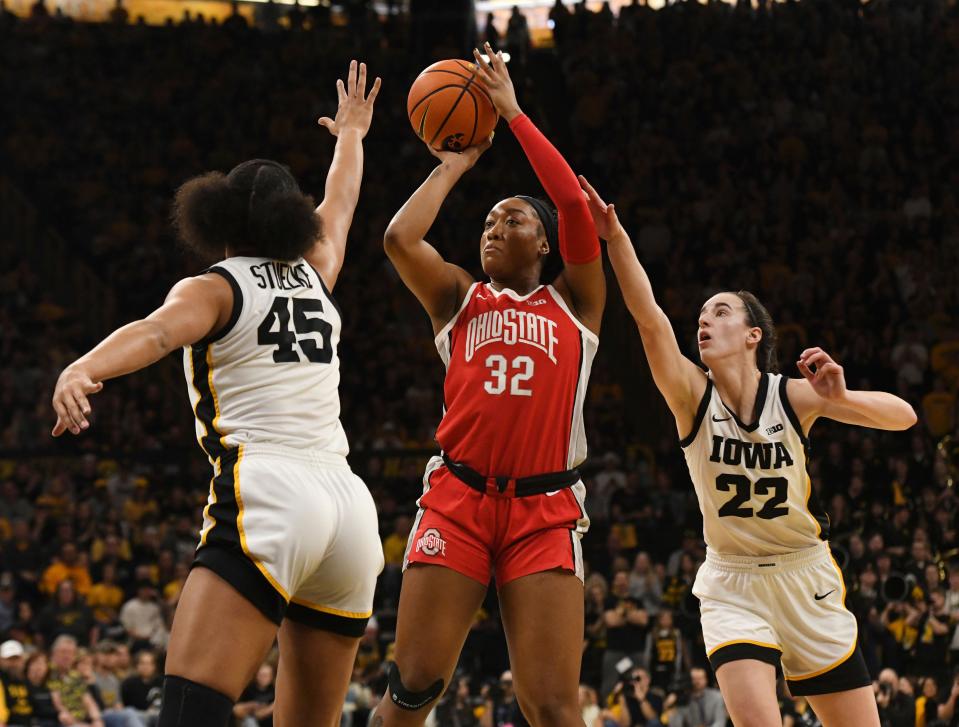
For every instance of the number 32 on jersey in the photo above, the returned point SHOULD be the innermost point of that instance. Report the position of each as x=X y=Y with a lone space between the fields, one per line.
x=509 y=375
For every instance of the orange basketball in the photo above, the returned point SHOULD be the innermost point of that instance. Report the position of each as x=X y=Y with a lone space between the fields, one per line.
x=449 y=107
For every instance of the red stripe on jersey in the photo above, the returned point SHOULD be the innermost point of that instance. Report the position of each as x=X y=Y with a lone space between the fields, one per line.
x=511 y=383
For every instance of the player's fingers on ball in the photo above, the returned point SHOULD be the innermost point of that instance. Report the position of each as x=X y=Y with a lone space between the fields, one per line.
x=481 y=66
x=490 y=65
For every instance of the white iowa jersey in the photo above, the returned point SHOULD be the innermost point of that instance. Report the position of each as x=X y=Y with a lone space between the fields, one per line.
x=751 y=481
x=272 y=375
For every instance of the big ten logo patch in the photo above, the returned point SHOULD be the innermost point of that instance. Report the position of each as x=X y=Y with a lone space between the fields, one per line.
x=431 y=543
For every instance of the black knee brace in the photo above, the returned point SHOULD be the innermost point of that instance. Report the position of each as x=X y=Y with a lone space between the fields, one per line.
x=188 y=704
x=404 y=698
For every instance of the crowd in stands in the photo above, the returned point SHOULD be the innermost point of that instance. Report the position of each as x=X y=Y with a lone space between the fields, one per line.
x=806 y=151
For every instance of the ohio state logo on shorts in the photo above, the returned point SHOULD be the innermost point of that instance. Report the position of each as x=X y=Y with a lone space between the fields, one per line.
x=431 y=543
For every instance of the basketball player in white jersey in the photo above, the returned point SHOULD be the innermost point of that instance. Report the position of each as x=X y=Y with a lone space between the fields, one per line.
x=289 y=546
x=771 y=594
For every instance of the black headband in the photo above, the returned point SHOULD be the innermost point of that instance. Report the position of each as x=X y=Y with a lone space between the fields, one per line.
x=547 y=216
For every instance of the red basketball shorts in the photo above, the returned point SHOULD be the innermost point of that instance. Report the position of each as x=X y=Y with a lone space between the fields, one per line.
x=482 y=535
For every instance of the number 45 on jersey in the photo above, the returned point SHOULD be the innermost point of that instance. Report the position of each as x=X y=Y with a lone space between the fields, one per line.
x=303 y=325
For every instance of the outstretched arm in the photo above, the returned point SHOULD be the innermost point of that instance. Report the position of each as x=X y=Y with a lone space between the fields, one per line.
x=680 y=381
x=195 y=308
x=582 y=281
x=438 y=285
x=353 y=116
x=822 y=392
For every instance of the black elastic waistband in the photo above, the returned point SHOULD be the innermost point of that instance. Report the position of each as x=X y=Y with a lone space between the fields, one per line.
x=522 y=487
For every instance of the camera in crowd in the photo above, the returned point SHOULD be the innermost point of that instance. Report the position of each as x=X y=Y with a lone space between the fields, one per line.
x=898 y=587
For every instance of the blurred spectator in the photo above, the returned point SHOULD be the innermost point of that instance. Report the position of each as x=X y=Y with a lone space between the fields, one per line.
x=665 y=655
x=896 y=709
x=143 y=690
x=255 y=708
x=119 y=15
x=45 y=712
x=490 y=33
x=66 y=614
x=70 y=689
x=645 y=586
x=696 y=704
x=517 y=36
x=632 y=702
x=67 y=567
x=142 y=617
x=589 y=706
x=504 y=705
x=15 y=708
x=457 y=707
x=626 y=626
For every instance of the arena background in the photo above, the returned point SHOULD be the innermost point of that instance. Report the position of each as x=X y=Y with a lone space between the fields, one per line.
x=807 y=151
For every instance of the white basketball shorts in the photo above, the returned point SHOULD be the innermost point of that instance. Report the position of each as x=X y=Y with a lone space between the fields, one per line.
x=296 y=533
x=786 y=610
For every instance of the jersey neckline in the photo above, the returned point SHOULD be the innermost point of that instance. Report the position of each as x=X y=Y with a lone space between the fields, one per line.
x=757 y=407
x=512 y=293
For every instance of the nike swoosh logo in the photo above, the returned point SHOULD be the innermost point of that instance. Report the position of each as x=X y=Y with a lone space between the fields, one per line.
x=721 y=420
x=819 y=598
x=554 y=492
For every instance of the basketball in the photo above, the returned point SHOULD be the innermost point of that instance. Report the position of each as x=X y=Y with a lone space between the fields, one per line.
x=449 y=108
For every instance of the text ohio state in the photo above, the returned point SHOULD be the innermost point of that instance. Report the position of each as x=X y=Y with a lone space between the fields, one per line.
x=511 y=326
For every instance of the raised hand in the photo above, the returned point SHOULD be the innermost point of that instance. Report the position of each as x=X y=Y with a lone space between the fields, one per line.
x=70 y=400
x=824 y=374
x=355 y=109
x=495 y=78
x=604 y=215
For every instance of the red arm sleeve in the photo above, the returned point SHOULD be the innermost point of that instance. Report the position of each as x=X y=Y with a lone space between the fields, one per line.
x=578 y=242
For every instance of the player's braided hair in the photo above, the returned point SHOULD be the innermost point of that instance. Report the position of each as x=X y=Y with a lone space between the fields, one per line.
x=257 y=209
x=767 y=360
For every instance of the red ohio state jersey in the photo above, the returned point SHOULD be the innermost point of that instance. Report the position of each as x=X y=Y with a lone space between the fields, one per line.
x=516 y=375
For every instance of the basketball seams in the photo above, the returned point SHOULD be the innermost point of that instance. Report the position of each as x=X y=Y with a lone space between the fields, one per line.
x=475 y=117
x=444 y=70
x=431 y=93
x=452 y=108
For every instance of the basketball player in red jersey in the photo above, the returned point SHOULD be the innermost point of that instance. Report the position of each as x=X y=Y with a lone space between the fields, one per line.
x=770 y=593
x=504 y=499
